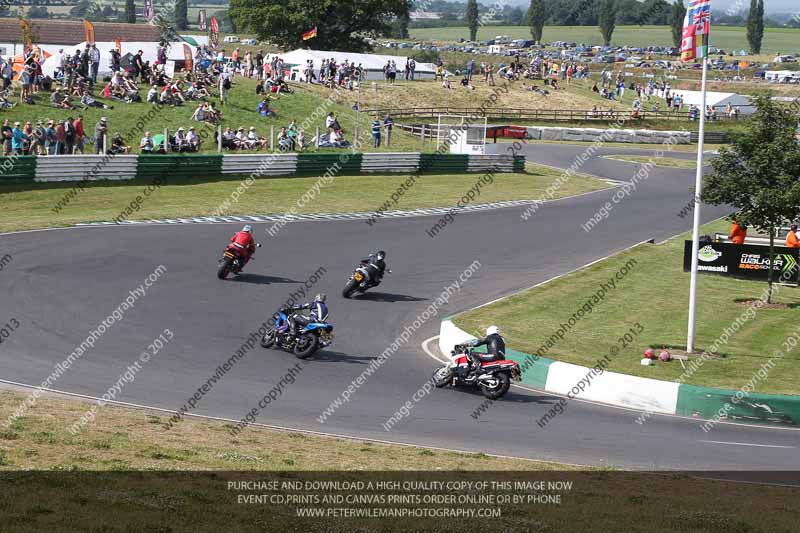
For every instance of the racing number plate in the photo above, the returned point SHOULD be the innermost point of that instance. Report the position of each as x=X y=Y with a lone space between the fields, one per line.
x=358 y=276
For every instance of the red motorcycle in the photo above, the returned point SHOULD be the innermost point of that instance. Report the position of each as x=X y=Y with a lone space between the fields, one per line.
x=232 y=261
x=493 y=378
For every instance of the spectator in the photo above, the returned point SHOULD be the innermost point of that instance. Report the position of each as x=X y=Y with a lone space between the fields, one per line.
x=147 y=144
x=60 y=137
x=331 y=123
x=38 y=140
x=6 y=132
x=738 y=232
x=791 y=238
x=69 y=136
x=263 y=107
x=87 y=100
x=179 y=142
x=254 y=141
x=80 y=135
x=50 y=140
x=118 y=146
x=17 y=139
x=225 y=85
x=100 y=132
x=376 y=132
x=193 y=140
x=388 y=124
x=94 y=58
x=301 y=140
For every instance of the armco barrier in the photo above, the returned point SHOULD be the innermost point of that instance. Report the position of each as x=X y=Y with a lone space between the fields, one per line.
x=335 y=163
x=86 y=167
x=707 y=403
x=405 y=162
x=18 y=168
x=179 y=166
x=645 y=394
x=260 y=165
x=202 y=166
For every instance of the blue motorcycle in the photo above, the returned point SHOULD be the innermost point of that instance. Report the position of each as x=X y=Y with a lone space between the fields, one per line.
x=312 y=337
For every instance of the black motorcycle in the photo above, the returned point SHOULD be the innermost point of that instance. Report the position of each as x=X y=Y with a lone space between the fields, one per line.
x=232 y=262
x=364 y=277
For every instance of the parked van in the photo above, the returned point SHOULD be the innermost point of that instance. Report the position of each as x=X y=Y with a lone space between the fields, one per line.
x=502 y=39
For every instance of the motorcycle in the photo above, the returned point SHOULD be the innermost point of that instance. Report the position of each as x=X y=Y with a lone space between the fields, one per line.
x=360 y=281
x=493 y=378
x=232 y=262
x=313 y=337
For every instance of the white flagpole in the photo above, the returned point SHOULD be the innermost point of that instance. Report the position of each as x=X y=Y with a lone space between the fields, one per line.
x=698 y=189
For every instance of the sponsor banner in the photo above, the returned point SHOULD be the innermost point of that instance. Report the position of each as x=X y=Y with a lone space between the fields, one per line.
x=88 y=32
x=742 y=260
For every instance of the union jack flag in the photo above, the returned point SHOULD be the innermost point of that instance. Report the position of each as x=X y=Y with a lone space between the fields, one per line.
x=696 y=28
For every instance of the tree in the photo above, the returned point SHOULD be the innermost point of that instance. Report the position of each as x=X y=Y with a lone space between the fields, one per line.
x=130 y=11
x=340 y=25
x=759 y=174
x=608 y=19
x=755 y=25
x=676 y=21
x=537 y=15
x=181 y=15
x=472 y=19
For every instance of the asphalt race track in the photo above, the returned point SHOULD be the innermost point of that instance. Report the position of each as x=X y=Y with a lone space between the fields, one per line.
x=63 y=283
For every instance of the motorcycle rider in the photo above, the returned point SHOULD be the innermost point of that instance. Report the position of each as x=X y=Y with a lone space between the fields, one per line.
x=495 y=348
x=375 y=266
x=319 y=313
x=243 y=242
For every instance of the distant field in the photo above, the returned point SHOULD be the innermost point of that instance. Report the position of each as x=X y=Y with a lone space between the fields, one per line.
x=784 y=40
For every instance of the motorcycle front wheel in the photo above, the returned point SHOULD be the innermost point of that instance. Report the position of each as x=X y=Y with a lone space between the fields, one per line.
x=442 y=377
x=305 y=346
x=268 y=339
x=496 y=387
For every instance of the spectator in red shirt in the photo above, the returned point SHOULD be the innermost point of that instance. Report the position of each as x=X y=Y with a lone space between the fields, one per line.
x=79 y=134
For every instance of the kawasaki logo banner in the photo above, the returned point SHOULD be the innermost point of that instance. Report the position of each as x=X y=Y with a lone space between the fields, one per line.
x=743 y=260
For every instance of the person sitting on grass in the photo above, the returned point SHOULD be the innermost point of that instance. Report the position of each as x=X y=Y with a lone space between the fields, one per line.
x=241 y=140
x=193 y=140
x=152 y=95
x=301 y=140
x=199 y=113
x=264 y=109
x=254 y=141
x=118 y=146
x=179 y=142
x=284 y=142
x=60 y=100
x=88 y=101
x=229 y=139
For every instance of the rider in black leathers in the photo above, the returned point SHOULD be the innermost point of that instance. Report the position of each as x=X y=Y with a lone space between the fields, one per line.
x=495 y=348
x=319 y=313
x=375 y=266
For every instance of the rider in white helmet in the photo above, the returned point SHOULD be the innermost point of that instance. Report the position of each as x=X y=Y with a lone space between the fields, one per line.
x=495 y=348
x=243 y=243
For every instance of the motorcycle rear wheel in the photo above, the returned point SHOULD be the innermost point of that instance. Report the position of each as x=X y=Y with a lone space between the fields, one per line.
x=305 y=346
x=349 y=288
x=496 y=390
x=224 y=269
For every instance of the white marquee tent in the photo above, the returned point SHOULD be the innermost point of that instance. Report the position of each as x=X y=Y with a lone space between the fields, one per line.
x=372 y=63
x=716 y=99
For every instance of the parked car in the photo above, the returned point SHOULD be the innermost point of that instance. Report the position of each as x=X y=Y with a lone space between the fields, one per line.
x=250 y=41
x=231 y=39
x=785 y=59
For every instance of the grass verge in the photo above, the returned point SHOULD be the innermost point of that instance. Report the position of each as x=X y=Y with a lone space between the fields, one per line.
x=132 y=439
x=126 y=469
x=28 y=206
x=655 y=294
